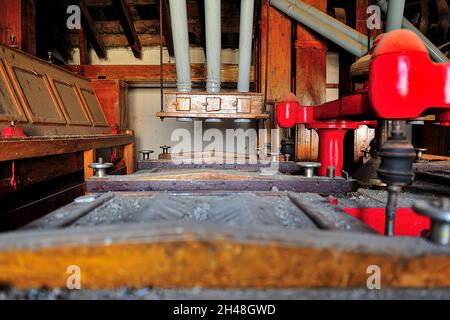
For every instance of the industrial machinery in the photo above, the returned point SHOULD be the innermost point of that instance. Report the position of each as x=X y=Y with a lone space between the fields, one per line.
x=403 y=93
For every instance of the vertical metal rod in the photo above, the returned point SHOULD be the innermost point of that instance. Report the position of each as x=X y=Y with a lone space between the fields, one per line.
x=213 y=44
x=161 y=56
x=395 y=13
x=178 y=18
x=391 y=209
x=245 y=44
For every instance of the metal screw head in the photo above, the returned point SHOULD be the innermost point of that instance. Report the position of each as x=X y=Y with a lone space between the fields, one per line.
x=308 y=168
x=100 y=167
x=439 y=214
x=165 y=149
x=419 y=153
x=146 y=154
x=275 y=156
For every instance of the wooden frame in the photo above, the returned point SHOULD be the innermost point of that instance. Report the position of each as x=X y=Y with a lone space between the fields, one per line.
x=97 y=123
x=65 y=110
x=23 y=98
x=21 y=117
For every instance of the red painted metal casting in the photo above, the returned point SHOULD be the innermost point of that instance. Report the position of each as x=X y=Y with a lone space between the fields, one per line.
x=403 y=84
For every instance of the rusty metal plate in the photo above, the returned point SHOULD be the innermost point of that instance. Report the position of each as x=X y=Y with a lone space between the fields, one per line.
x=183 y=104
x=243 y=105
x=213 y=104
x=228 y=105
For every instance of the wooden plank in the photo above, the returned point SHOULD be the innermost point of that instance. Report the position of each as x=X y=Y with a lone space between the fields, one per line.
x=29 y=26
x=276 y=29
x=11 y=22
x=13 y=149
x=82 y=44
x=128 y=27
x=196 y=255
x=151 y=73
x=89 y=156
x=109 y=95
x=128 y=154
x=311 y=57
x=166 y=25
x=32 y=171
x=91 y=28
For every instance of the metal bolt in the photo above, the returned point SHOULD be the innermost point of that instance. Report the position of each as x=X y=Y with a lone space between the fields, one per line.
x=100 y=168
x=309 y=168
x=331 y=172
x=165 y=149
x=287 y=157
x=419 y=153
x=275 y=157
x=439 y=214
x=146 y=154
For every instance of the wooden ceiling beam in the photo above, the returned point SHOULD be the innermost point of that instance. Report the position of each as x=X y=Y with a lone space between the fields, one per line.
x=128 y=27
x=167 y=27
x=89 y=24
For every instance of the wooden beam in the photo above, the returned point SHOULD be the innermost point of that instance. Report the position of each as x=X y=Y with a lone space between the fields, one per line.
x=128 y=154
x=128 y=27
x=89 y=156
x=151 y=73
x=82 y=42
x=191 y=255
x=276 y=29
x=89 y=24
x=167 y=26
x=41 y=147
x=11 y=22
x=311 y=58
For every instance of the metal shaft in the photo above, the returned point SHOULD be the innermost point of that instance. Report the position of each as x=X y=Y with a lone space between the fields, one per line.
x=245 y=45
x=178 y=17
x=391 y=209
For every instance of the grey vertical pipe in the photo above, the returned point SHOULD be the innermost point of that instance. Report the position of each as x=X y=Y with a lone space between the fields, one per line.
x=213 y=44
x=178 y=17
x=245 y=44
x=327 y=19
x=434 y=51
x=325 y=28
x=395 y=13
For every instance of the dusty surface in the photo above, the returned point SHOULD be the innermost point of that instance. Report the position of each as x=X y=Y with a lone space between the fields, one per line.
x=201 y=294
x=231 y=210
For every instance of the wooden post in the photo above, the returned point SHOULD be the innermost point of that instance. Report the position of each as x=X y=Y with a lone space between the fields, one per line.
x=128 y=154
x=311 y=57
x=18 y=18
x=88 y=158
x=276 y=28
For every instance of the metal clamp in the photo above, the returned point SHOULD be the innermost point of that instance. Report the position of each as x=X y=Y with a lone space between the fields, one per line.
x=439 y=214
x=100 y=168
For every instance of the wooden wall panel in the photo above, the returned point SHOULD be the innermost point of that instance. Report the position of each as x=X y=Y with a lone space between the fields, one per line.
x=113 y=97
x=10 y=107
x=51 y=95
x=36 y=96
x=311 y=57
x=71 y=103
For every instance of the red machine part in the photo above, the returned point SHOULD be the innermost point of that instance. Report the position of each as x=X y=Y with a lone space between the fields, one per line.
x=399 y=87
x=408 y=222
x=403 y=84
x=13 y=132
